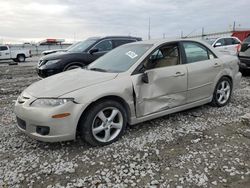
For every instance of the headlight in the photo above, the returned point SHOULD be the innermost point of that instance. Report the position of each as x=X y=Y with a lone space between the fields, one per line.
x=50 y=62
x=49 y=102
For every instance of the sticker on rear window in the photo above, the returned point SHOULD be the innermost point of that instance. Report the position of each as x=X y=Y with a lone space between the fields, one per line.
x=131 y=54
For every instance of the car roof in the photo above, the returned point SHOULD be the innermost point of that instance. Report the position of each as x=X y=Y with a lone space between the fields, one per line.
x=161 y=41
x=117 y=36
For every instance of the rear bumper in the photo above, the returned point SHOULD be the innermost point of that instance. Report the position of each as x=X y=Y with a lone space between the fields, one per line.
x=244 y=62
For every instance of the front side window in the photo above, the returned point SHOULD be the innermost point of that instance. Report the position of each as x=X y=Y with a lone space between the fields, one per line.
x=105 y=45
x=3 y=48
x=196 y=52
x=167 y=55
x=221 y=41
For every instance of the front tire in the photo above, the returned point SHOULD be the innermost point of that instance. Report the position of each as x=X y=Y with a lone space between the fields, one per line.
x=71 y=67
x=104 y=123
x=222 y=92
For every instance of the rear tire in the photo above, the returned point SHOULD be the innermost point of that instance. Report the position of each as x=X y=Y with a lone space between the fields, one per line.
x=222 y=92
x=104 y=123
x=20 y=58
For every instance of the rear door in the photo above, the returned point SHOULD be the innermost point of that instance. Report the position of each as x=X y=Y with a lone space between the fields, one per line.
x=167 y=81
x=202 y=68
x=4 y=52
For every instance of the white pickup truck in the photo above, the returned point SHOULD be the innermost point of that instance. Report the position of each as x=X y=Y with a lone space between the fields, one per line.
x=16 y=55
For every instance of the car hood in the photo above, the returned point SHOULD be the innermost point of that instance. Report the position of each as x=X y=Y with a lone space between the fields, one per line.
x=66 y=82
x=59 y=55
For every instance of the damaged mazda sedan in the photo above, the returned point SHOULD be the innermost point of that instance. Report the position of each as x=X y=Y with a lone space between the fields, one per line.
x=131 y=84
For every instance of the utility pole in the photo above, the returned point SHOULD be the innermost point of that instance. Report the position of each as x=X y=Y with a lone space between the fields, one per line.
x=181 y=34
x=149 y=37
x=202 y=33
x=234 y=26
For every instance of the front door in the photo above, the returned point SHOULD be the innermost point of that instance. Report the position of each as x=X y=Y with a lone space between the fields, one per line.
x=4 y=52
x=167 y=81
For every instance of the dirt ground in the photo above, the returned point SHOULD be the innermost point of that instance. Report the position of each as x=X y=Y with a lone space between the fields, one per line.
x=201 y=147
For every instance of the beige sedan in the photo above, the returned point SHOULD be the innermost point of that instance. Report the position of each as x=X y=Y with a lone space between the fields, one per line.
x=131 y=84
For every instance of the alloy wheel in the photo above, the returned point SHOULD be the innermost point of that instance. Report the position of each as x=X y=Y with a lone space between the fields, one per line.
x=223 y=92
x=107 y=124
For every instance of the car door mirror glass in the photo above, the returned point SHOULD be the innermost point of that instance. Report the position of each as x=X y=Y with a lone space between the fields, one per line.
x=217 y=44
x=94 y=50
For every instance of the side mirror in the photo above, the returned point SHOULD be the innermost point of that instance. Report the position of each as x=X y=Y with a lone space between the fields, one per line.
x=94 y=50
x=217 y=44
x=144 y=78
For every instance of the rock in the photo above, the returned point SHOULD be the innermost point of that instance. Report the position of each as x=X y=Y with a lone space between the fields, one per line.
x=246 y=119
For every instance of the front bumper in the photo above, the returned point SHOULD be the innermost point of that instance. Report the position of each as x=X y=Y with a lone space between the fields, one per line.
x=44 y=72
x=244 y=63
x=32 y=119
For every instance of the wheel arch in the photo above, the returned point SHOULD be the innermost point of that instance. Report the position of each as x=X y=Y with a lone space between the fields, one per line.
x=21 y=54
x=225 y=73
x=73 y=63
x=109 y=97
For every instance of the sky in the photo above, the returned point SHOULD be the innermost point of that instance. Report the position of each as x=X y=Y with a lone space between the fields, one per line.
x=73 y=20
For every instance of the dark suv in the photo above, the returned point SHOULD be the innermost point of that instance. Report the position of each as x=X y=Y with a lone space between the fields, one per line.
x=244 y=54
x=80 y=55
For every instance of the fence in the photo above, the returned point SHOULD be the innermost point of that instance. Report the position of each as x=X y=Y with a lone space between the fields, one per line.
x=37 y=50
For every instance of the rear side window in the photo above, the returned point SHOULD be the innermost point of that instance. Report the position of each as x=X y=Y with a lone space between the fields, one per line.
x=3 y=48
x=196 y=52
x=235 y=41
x=117 y=42
x=231 y=41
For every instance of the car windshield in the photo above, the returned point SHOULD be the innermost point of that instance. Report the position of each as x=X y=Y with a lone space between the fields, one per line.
x=120 y=59
x=72 y=45
x=81 y=46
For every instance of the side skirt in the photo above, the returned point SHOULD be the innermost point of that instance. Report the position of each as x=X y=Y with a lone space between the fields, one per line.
x=135 y=120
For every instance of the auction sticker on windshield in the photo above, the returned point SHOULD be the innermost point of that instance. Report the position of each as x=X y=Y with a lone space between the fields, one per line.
x=131 y=54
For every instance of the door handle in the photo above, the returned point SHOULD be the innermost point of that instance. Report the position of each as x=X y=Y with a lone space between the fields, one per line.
x=179 y=74
x=217 y=65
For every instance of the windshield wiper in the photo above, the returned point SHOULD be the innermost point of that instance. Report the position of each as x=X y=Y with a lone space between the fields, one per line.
x=98 y=69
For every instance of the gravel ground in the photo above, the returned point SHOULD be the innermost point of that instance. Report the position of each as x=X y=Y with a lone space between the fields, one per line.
x=201 y=147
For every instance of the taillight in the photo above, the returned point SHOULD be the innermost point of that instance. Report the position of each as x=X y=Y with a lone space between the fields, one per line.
x=238 y=47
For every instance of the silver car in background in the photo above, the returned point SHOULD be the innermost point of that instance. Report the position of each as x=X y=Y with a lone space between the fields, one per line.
x=133 y=83
x=226 y=45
